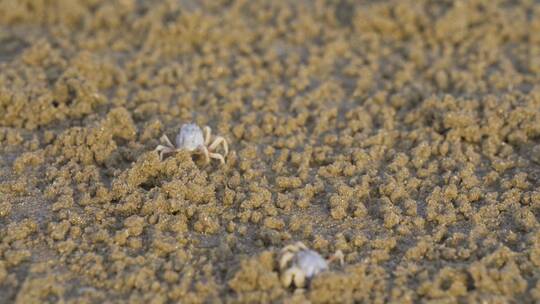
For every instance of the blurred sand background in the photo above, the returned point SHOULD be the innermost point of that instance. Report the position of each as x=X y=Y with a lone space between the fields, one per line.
x=405 y=133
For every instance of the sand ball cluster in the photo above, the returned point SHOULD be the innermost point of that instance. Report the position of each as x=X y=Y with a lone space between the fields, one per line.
x=404 y=133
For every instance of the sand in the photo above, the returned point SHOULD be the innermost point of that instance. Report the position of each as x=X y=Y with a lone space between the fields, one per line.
x=405 y=133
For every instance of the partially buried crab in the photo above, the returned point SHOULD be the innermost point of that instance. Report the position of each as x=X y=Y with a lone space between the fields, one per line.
x=299 y=264
x=191 y=138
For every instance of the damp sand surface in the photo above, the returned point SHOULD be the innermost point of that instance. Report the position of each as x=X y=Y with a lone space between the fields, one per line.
x=404 y=133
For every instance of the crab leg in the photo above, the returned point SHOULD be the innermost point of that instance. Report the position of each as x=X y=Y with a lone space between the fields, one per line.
x=217 y=156
x=295 y=247
x=287 y=256
x=166 y=140
x=217 y=141
x=207 y=154
x=294 y=275
x=162 y=150
x=337 y=256
x=207 y=134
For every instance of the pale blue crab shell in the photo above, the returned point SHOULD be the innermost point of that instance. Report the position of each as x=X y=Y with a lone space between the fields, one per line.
x=310 y=262
x=190 y=137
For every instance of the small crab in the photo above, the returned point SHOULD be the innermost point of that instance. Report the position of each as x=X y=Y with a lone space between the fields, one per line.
x=191 y=138
x=299 y=264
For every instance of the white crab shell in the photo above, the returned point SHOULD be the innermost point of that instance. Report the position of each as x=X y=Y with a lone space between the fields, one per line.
x=190 y=137
x=310 y=262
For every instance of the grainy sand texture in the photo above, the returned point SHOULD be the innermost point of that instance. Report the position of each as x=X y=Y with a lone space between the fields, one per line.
x=404 y=133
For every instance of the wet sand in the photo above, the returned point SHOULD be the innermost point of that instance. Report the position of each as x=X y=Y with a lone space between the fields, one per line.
x=405 y=133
